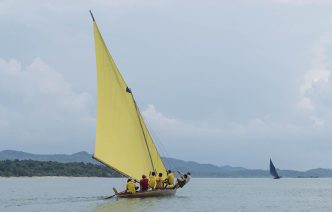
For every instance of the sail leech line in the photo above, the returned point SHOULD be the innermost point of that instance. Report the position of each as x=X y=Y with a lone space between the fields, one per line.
x=139 y=119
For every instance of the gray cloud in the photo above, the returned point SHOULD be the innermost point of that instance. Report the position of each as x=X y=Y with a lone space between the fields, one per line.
x=39 y=109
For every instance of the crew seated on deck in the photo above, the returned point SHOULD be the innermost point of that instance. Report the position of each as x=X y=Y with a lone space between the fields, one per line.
x=169 y=181
x=131 y=186
x=159 y=181
x=152 y=180
x=144 y=183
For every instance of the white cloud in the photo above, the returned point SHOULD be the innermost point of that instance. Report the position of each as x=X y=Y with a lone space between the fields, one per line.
x=306 y=104
x=38 y=105
x=319 y=74
x=314 y=77
x=157 y=118
x=318 y=123
x=172 y=126
x=231 y=130
x=315 y=88
x=175 y=127
x=37 y=82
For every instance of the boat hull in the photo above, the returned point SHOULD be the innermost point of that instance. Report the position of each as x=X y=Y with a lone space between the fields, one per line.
x=145 y=194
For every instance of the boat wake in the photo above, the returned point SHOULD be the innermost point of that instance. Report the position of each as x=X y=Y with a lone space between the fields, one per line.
x=19 y=202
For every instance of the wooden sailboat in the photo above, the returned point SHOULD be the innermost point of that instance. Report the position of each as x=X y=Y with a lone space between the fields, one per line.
x=123 y=141
x=273 y=171
x=150 y=193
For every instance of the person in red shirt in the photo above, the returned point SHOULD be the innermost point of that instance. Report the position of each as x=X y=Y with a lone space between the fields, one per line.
x=144 y=183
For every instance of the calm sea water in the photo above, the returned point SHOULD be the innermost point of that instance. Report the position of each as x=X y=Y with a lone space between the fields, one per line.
x=201 y=194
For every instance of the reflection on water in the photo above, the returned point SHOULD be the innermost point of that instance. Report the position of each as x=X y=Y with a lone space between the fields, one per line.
x=123 y=205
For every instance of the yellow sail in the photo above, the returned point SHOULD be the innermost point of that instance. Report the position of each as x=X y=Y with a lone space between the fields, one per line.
x=122 y=138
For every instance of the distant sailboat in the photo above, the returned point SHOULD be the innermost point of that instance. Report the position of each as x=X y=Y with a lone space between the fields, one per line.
x=123 y=141
x=273 y=171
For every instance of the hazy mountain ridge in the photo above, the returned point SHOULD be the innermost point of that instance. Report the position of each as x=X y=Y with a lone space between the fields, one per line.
x=197 y=169
x=30 y=168
x=83 y=156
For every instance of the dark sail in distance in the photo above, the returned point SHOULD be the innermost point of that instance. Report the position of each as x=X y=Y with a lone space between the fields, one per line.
x=273 y=171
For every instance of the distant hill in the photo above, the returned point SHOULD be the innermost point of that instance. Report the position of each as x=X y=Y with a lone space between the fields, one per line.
x=29 y=168
x=83 y=156
x=197 y=169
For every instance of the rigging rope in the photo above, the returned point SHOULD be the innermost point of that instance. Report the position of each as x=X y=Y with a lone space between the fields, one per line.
x=159 y=145
x=140 y=122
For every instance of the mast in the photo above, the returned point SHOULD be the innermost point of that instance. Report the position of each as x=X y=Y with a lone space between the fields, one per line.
x=93 y=18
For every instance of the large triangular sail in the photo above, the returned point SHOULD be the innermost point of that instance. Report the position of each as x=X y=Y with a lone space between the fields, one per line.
x=123 y=141
x=273 y=170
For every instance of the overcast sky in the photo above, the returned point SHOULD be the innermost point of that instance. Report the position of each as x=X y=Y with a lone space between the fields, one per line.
x=222 y=82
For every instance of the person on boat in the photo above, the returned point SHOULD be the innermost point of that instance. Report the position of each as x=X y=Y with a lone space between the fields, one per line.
x=144 y=183
x=188 y=176
x=181 y=181
x=159 y=181
x=169 y=182
x=152 y=180
x=131 y=186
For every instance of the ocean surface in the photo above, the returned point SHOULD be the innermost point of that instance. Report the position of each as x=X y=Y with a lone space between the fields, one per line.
x=201 y=194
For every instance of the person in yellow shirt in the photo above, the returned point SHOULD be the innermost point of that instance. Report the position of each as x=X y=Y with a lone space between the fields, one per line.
x=159 y=181
x=152 y=180
x=131 y=186
x=170 y=179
